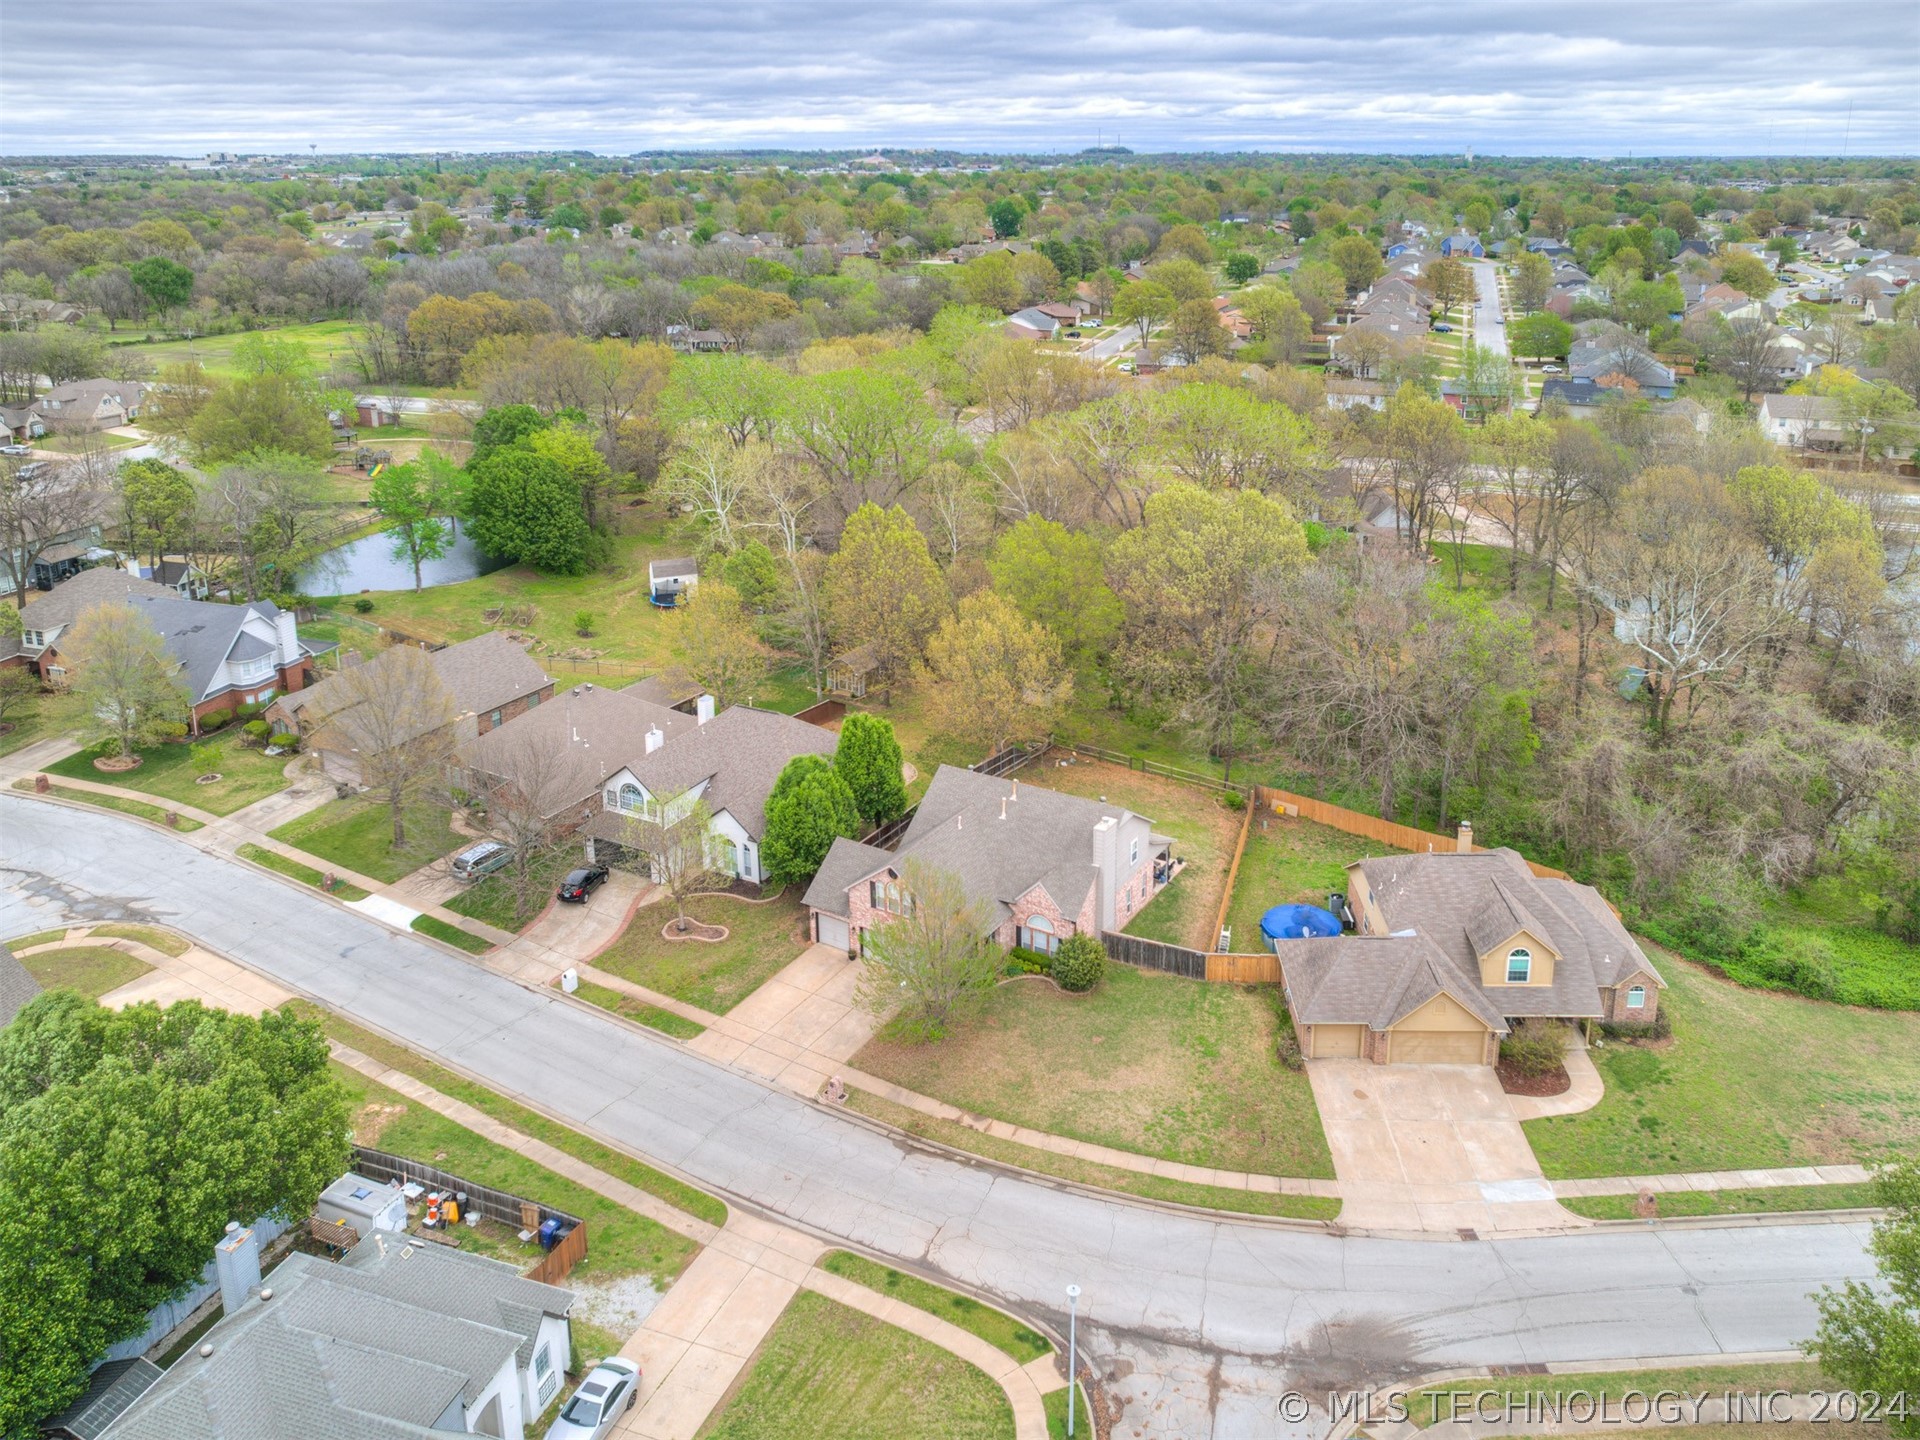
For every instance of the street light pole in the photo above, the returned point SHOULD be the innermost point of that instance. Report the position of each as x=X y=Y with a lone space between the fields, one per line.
x=1073 y=1364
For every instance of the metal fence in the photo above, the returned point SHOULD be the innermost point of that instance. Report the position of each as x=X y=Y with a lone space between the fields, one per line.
x=500 y=1206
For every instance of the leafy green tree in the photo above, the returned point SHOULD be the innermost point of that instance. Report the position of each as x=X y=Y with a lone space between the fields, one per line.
x=1195 y=331
x=755 y=574
x=868 y=758
x=409 y=503
x=992 y=676
x=1358 y=260
x=1532 y=281
x=1869 y=1338
x=1748 y=274
x=1240 y=267
x=884 y=591
x=504 y=425
x=1541 y=335
x=167 y=284
x=134 y=1137
x=1279 y=322
x=809 y=807
x=1057 y=577
x=524 y=509
x=1182 y=278
x=156 y=502
x=268 y=411
x=933 y=962
x=737 y=311
x=1143 y=303
x=1006 y=216
x=126 y=680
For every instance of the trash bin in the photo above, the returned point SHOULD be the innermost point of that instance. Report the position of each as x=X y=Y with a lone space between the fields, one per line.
x=549 y=1234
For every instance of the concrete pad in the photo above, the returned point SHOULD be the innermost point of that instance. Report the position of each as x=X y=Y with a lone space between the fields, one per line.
x=388 y=912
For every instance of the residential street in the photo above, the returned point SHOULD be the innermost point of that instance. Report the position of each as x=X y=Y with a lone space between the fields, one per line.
x=1488 y=333
x=1204 y=1322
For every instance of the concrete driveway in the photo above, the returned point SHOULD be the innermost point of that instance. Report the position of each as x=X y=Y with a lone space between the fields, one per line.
x=568 y=934
x=1430 y=1148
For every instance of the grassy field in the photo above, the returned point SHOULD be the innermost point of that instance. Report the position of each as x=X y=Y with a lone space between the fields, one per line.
x=1436 y=1403
x=327 y=343
x=761 y=939
x=638 y=1011
x=358 y=835
x=294 y=870
x=1286 y=862
x=996 y=1327
x=681 y=1196
x=1750 y=1079
x=170 y=772
x=93 y=970
x=826 y=1370
x=124 y=804
x=1779 y=1199
x=1148 y=1063
x=1869 y=965
x=620 y=1242
x=1204 y=831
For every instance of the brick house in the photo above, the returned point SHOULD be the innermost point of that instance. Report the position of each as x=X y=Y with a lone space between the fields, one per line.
x=1042 y=864
x=491 y=679
x=1453 y=950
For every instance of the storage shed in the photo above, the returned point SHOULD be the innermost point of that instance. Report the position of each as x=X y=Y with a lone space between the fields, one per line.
x=366 y=1205
x=668 y=580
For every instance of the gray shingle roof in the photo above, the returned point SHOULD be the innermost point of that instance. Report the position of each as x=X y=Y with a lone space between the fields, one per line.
x=596 y=731
x=66 y=602
x=847 y=864
x=481 y=674
x=17 y=986
x=741 y=751
x=200 y=634
x=1374 y=981
x=471 y=1287
x=111 y=1389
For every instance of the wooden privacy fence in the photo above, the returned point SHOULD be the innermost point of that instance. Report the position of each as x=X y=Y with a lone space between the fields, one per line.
x=824 y=713
x=1218 y=967
x=516 y=1212
x=1387 y=832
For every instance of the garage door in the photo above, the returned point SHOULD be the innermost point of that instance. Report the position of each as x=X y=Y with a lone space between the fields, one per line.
x=1438 y=1047
x=833 y=931
x=1336 y=1042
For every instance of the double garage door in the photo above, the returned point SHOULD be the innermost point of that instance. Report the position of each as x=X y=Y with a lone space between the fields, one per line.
x=1438 y=1047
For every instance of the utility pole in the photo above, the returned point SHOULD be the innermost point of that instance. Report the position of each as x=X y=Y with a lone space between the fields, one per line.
x=1073 y=1363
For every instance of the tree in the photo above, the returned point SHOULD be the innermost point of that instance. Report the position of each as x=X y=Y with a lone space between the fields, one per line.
x=136 y=1136
x=1240 y=267
x=167 y=284
x=1195 y=331
x=737 y=311
x=396 y=716
x=1144 y=304
x=872 y=433
x=1195 y=580
x=1513 y=450
x=1006 y=215
x=156 y=504
x=933 y=960
x=1749 y=351
x=270 y=411
x=1358 y=260
x=1748 y=274
x=126 y=680
x=409 y=501
x=1869 y=1336
x=868 y=758
x=37 y=512
x=529 y=797
x=809 y=807
x=676 y=836
x=993 y=676
x=1532 y=281
x=1181 y=278
x=1278 y=321
x=884 y=591
x=989 y=281
x=571 y=447
x=18 y=685
x=1542 y=335
x=1320 y=288
x=502 y=425
x=1056 y=577
x=724 y=653
x=524 y=509
x=755 y=574
x=1427 y=452
x=265 y=510
x=1450 y=281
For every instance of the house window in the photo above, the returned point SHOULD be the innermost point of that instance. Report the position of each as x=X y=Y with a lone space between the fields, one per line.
x=533 y=699
x=33 y=639
x=1037 y=934
x=890 y=896
x=613 y=799
x=542 y=1362
x=1133 y=851
x=1519 y=966
x=494 y=723
x=1636 y=996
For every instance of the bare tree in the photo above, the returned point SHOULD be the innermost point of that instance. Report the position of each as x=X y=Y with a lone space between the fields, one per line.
x=532 y=792
x=676 y=836
x=1750 y=352
x=38 y=507
x=934 y=959
x=396 y=716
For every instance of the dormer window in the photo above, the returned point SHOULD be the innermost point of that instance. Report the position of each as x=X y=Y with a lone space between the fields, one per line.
x=1519 y=966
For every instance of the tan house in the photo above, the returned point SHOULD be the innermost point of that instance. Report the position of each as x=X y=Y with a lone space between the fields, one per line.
x=1451 y=951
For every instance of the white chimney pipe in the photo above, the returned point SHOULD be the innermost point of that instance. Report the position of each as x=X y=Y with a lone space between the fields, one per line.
x=236 y=1261
x=655 y=738
x=703 y=709
x=1003 y=807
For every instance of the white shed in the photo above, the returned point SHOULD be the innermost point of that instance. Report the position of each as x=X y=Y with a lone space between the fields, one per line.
x=366 y=1205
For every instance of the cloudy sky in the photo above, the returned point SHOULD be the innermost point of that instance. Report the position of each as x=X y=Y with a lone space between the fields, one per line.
x=614 y=76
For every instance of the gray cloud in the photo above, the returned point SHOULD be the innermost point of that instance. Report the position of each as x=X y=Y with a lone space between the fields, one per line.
x=1505 y=76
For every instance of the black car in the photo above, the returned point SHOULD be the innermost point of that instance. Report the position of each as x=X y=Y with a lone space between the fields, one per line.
x=581 y=883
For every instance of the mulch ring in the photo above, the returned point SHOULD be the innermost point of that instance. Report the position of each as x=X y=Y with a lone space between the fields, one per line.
x=1555 y=1082
x=695 y=930
x=117 y=764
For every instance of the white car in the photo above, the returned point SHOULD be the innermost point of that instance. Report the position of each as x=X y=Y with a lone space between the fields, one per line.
x=603 y=1397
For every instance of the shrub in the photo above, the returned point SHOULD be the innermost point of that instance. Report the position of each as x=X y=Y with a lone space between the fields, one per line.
x=252 y=710
x=1658 y=1028
x=282 y=740
x=1234 y=800
x=1079 y=963
x=583 y=622
x=215 y=720
x=363 y=606
x=1536 y=1047
x=172 y=730
x=1021 y=961
x=256 y=731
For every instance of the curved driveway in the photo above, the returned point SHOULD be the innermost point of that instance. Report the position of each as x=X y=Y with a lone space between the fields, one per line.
x=1201 y=1322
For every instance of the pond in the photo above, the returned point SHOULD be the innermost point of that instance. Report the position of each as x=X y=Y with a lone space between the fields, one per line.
x=368 y=564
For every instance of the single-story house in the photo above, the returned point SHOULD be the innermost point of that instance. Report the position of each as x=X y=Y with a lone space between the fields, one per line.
x=1032 y=323
x=395 y=1339
x=1618 y=366
x=729 y=763
x=183 y=577
x=1801 y=420
x=668 y=580
x=1451 y=951
x=86 y=405
x=490 y=679
x=1345 y=394
x=1042 y=865
x=1463 y=244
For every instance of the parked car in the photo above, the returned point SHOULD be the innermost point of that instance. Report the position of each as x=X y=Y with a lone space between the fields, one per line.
x=481 y=859
x=16 y=449
x=603 y=1397
x=1551 y=370
x=1073 y=334
x=1444 y=329
x=581 y=883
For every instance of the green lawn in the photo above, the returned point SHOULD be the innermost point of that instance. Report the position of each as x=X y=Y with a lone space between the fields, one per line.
x=358 y=835
x=602 y=1157
x=327 y=343
x=1150 y=1063
x=294 y=870
x=165 y=941
x=1750 y=1079
x=1427 y=1407
x=1772 y=1200
x=451 y=934
x=51 y=712
x=996 y=1327
x=619 y=1242
x=1203 y=828
x=652 y=1016
x=170 y=772
x=93 y=970
x=492 y=900
x=1288 y=861
x=761 y=940
x=126 y=805
x=826 y=1370
x=1870 y=967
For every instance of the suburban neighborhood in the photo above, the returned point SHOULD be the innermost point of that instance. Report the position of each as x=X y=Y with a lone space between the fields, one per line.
x=1261 y=780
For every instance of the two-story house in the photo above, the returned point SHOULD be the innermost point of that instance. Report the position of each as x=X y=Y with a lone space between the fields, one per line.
x=1451 y=951
x=1042 y=865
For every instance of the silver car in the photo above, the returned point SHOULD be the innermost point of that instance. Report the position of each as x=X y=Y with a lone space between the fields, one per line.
x=603 y=1397
x=481 y=859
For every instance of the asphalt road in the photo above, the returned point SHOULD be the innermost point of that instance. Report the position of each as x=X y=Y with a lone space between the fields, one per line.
x=1201 y=1324
x=1488 y=333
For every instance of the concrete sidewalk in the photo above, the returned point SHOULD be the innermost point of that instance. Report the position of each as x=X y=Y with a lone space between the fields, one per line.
x=799 y=1028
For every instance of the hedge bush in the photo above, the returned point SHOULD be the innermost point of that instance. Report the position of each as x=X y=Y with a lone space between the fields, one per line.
x=257 y=731
x=1021 y=961
x=1658 y=1028
x=215 y=720
x=1536 y=1047
x=172 y=730
x=1079 y=963
x=281 y=740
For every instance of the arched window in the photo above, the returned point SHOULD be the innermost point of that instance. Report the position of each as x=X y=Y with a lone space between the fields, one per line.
x=1519 y=966
x=632 y=797
x=1037 y=934
x=1636 y=996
